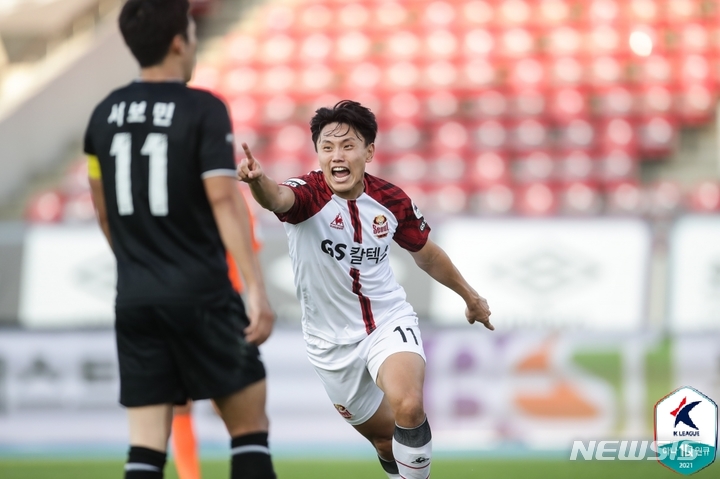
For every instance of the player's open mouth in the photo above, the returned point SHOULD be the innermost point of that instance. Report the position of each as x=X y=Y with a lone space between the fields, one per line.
x=340 y=172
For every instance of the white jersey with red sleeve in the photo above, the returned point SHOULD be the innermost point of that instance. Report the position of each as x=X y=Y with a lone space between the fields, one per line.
x=339 y=251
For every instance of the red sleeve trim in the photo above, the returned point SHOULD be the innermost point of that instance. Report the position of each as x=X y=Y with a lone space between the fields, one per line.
x=412 y=231
x=311 y=195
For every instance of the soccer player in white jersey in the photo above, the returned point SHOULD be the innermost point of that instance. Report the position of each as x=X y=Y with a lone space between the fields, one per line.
x=361 y=334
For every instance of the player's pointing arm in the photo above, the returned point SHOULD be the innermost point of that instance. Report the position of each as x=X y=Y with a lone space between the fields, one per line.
x=434 y=261
x=270 y=195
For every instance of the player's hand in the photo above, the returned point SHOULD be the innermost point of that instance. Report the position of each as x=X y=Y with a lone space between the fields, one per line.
x=248 y=170
x=261 y=318
x=478 y=311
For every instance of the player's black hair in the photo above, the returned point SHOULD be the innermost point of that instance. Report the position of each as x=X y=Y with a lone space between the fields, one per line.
x=149 y=26
x=346 y=112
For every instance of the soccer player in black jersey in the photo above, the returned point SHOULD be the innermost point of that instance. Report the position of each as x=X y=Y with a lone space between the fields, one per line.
x=162 y=168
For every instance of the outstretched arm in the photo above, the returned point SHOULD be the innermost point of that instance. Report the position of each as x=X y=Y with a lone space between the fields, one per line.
x=270 y=195
x=434 y=261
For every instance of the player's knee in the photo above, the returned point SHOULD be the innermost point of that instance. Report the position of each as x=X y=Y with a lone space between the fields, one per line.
x=409 y=410
x=248 y=425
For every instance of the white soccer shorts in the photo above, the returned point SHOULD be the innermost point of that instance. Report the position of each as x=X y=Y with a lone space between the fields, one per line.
x=349 y=371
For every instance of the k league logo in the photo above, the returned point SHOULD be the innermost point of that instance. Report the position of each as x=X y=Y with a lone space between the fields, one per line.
x=686 y=432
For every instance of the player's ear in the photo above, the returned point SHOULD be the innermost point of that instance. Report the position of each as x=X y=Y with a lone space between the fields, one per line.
x=370 y=153
x=178 y=45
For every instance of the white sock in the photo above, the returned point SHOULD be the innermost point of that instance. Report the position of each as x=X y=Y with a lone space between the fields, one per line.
x=412 y=449
x=390 y=468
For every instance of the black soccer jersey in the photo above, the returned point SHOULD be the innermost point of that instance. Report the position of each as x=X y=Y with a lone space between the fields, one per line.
x=155 y=143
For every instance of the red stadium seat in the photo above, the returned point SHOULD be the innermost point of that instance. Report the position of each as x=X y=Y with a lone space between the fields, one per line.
x=580 y=199
x=608 y=70
x=449 y=136
x=576 y=165
x=364 y=76
x=438 y=14
x=536 y=199
x=527 y=73
x=488 y=104
x=514 y=12
x=655 y=69
x=45 y=207
x=563 y=41
x=488 y=168
x=239 y=80
x=402 y=137
x=529 y=134
x=568 y=103
x=352 y=16
x=528 y=103
x=533 y=167
x=441 y=104
x=278 y=17
x=516 y=43
x=617 y=134
x=626 y=199
x=241 y=49
x=656 y=100
x=479 y=42
x=643 y=11
x=615 y=101
x=682 y=11
x=279 y=108
x=665 y=199
x=389 y=16
x=489 y=135
x=409 y=168
x=352 y=46
x=439 y=74
x=402 y=106
x=696 y=104
x=278 y=49
x=656 y=136
x=577 y=134
x=316 y=48
x=401 y=75
x=694 y=68
x=447 y=168
x=705 y=197
x=479 y=74
x=477 y=13
x=496 y=199
x=441 y=43
x=605 y=39
x=244 y=109
x=553 y=12
x=566 y=71
x=617 y=166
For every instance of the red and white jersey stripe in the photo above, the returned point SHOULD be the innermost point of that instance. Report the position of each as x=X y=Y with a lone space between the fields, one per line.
x=340 y=254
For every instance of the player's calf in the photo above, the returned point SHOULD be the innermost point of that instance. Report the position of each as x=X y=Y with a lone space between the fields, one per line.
x=251 y=457
x=144 y=463
x=412 y=449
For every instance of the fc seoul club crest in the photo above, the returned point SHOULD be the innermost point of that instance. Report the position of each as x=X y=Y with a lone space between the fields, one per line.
x=686 y=430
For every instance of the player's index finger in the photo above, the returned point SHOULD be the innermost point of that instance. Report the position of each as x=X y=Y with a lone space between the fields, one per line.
x=248 y=153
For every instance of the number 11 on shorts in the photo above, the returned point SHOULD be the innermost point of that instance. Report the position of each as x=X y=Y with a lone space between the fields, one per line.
x=404 y=337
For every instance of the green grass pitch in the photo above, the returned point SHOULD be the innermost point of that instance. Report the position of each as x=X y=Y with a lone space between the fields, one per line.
x=443 y=468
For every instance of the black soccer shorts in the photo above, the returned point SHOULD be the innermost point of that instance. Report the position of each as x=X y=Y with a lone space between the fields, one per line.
x=172 y=353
